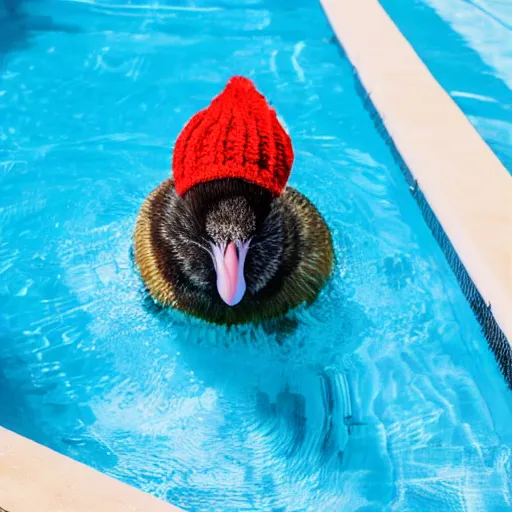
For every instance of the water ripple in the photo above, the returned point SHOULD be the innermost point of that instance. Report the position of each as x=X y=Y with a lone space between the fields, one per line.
x=381 y=396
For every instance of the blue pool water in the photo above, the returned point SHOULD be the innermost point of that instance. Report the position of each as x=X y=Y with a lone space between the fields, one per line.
x=467 y=45
x=385 y=397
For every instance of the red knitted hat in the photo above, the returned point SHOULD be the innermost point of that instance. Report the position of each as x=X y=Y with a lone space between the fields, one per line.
x=237 y=136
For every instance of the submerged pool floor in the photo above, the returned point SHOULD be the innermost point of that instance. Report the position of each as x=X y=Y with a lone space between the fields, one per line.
x=385 y=397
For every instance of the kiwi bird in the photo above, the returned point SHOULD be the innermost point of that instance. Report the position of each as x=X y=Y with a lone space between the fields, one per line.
x=225 y=239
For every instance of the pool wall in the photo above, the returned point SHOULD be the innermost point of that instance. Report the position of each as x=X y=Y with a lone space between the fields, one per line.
x=463 y=190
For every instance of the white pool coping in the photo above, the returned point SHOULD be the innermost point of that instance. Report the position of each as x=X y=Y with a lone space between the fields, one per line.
x=36 y=479
x=464 y=183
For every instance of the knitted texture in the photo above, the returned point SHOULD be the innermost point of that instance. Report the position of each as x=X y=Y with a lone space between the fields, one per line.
x=237 y=136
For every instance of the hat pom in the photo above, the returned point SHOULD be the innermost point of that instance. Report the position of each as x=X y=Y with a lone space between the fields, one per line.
x=237 y=136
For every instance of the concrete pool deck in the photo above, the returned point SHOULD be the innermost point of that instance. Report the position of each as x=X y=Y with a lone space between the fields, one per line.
x=36 y=479
x=465 y=185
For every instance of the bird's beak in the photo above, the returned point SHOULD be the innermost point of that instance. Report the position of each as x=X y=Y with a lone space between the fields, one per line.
x=229 y=263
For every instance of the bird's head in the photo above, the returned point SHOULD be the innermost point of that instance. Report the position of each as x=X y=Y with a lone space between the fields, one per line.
x=231 y=162
x=229 y=235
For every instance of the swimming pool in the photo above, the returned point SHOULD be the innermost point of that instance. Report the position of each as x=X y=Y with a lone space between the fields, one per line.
x=385 y=396
x=466 y=45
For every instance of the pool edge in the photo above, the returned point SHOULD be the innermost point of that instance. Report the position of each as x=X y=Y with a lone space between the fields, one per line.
x=60 y=483
x=463 y=190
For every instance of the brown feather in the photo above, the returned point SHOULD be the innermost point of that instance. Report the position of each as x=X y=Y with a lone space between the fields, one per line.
x=309 y=251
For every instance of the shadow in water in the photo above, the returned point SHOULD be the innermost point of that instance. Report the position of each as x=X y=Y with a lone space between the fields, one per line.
x=18 y=26
x=288 y=384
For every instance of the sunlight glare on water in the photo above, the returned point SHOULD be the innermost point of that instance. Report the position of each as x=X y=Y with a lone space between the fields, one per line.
x=385 y=396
